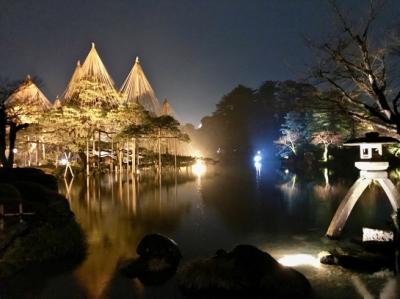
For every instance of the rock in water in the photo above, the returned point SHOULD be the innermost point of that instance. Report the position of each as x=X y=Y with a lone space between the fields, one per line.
x=158 y=260
x=245 y=272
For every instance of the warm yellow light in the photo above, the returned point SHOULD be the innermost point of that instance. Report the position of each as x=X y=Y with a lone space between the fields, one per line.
x=199 y=168
x=293 y=260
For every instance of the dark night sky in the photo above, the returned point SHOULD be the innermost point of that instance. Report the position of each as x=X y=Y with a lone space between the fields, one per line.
x=193 y=52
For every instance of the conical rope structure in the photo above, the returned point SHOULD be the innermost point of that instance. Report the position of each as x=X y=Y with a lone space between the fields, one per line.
x=137 y=89
x=69 y=92
x=91 y=86
x=27 y=101
x=166 y=109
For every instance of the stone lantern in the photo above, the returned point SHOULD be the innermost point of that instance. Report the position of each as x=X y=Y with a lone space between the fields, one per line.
x=372 y=168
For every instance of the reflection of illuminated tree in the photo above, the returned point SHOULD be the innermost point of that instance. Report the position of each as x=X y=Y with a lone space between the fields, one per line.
x=114 y=221
x=326 y=190
x=289 y=188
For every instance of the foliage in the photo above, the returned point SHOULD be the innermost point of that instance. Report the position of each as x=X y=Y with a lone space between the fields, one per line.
x=326 y=138
x=293 y=134
x=246 y=120
x=89 y=93
x=162 y=126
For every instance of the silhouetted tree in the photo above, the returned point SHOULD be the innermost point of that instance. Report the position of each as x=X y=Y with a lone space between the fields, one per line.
x=359 y=64
x=10 y=125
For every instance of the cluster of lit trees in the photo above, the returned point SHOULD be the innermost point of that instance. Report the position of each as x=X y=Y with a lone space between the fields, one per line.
x=71 y=128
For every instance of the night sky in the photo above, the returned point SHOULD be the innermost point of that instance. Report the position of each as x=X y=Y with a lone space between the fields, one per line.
x=192 y=52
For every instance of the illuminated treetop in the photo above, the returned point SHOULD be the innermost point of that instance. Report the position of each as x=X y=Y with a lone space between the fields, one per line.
x=27 y=100
x=137 y=89
x=166 y=109
x=91 y=86
x=57 y=103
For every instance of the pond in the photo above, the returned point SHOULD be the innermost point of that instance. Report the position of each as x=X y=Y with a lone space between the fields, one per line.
x=281 y=212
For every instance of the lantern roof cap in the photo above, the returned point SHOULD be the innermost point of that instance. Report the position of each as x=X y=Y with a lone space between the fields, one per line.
x=371 y=138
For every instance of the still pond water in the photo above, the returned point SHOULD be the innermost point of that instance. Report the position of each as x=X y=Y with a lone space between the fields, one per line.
x=275 y=209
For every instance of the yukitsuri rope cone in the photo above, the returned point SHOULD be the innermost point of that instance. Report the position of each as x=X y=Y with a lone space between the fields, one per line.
x=91 y=86
x=137 y=89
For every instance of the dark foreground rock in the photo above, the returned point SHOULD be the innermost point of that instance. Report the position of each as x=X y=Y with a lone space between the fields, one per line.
x=359 y=261
x=245 y=272
x=158 y=260
x=32 y=175
x=50 y=234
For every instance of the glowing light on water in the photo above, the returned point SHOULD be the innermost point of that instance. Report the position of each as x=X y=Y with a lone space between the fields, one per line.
x=258 y=165
x=286 y=171
x=257 y=158
x=199 y=168
x=293 y=260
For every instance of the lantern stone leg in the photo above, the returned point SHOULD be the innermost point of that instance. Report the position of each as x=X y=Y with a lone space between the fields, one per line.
x=391 y=192
x=372 y=168
x=346 y=206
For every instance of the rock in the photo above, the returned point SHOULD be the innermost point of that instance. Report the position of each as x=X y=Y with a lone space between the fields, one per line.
x=158 y=260
x=50 y=234
x=29 y=175
x=9 y=194
x=159 y=246
x=245 y=272
x=364 y=262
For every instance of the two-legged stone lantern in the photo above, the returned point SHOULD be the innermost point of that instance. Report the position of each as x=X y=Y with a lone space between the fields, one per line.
x=371 y=169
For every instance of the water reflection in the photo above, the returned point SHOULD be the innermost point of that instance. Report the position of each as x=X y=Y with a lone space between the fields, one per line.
x=114 y=222
x=326 y=190
x=289 y=188
x=283 y=212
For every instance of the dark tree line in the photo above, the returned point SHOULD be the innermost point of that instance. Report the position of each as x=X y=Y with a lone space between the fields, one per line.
x=246 y=120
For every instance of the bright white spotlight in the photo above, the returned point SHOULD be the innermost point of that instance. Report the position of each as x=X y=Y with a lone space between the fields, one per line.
x=199 y=168
x=257 y=158
x=293 y=260
x=63 y=161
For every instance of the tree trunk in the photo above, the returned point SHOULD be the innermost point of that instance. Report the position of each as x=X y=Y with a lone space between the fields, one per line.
x=83 y=159
x=12 y=136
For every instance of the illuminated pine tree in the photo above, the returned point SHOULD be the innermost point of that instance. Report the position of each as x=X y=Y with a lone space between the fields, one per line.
x=91 y=86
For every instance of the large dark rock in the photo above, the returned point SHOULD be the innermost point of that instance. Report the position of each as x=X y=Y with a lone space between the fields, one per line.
x=51 y=233
x=245 y=272
x=32 y=175
x=158 y=260
x=9 y=194
x=159 y=246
